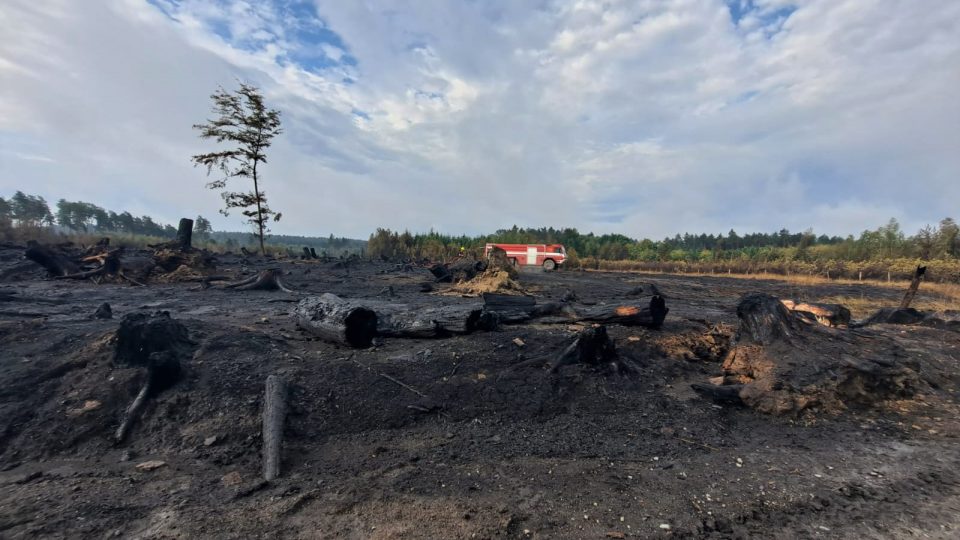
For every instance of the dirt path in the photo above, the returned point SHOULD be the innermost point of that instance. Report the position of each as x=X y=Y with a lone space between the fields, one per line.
x=490 y=453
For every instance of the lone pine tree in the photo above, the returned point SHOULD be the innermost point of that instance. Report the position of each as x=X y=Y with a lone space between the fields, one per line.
x=242 y=120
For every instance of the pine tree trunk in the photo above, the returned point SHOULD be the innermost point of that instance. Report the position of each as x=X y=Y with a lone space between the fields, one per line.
x=256 y=194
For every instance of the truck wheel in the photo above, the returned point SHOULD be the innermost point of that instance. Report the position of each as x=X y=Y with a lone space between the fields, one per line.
x=549 y=265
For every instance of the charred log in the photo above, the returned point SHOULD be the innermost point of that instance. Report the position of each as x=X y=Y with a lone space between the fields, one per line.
x=646 y=289
x=334 y=319
x=651 y=315
x=834 y=315
x=274 y=414
x=109 y=265
x=508 y=302
x=356 y=323
x=54 y=261
x=460 y=271
x=510 y=309
x=726 y=394
x=432 y=322
x=909 y=316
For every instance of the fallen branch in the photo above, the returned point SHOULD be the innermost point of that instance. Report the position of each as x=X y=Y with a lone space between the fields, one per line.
x=404 y=385
x=389 y=378
x=679 y=438
x=134 y=411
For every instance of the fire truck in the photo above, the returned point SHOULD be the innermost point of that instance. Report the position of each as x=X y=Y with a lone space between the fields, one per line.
x=549 y=256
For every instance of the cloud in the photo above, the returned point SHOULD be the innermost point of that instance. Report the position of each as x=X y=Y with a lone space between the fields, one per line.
x=646 y=118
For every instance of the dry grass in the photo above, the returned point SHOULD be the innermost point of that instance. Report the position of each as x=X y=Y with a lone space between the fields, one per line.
x=941 y=295
x=492 y=281
x=931 y=296
x=949 y=292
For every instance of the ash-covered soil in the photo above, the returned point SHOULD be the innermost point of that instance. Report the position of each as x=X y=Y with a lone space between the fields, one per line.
x=490 y=452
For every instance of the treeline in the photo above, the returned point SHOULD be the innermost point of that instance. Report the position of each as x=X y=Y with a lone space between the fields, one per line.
x=27 y=211
x=885 y=242
x=331 y=245
x=24 y=211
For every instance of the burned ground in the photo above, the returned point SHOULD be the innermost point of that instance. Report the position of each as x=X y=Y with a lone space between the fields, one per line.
x=468 y=445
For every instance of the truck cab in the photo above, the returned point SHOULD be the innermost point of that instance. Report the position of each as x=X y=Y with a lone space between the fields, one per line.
x=549 y=256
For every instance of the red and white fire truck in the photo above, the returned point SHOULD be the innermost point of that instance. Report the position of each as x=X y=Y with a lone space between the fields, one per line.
x=549 y=256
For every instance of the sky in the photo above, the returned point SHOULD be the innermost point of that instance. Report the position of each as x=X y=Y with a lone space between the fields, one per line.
x=644 y=117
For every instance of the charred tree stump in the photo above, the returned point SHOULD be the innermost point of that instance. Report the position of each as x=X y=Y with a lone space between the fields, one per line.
x=103 y=312
x=185 y=234
x=779 y=364
x=274 y=414
x=267 y=280
x=764 y=319
x=306 y=253
x=313 y=253
x=158 y=343
x=914 y=285
x=441 y=273
x=593 y=347
x=56 y=263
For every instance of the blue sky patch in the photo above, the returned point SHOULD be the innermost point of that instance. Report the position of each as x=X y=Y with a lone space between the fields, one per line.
x=308 y=41
x=771 y=20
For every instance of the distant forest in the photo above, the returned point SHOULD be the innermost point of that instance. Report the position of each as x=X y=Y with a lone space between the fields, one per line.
x=875 y=251
x=26 y=211
x=885 y=242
